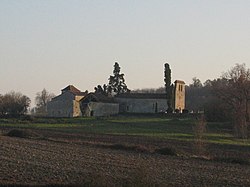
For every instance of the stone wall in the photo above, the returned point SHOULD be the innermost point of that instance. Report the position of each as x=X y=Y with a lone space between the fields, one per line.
x=76 y=109
x=137 y=105
x=101 y=109
x=78 y=97
x=64 y=105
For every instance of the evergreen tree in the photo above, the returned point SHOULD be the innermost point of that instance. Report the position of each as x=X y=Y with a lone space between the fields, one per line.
x=117 y=82
x=168 y=87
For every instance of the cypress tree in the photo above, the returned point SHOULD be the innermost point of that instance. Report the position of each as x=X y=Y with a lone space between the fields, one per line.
x=168 y=87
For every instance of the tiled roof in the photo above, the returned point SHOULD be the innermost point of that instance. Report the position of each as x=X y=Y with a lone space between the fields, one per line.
x=71 y=88
x=74 y=90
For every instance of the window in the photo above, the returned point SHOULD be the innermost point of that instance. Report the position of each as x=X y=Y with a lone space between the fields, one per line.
x=127 y=108
x=180 y=88
x=156 y=107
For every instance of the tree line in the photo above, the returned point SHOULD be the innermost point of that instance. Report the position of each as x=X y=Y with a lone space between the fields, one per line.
x=15 y=104
x=224 y=99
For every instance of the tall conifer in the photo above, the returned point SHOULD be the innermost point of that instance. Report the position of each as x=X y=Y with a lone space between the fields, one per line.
x=168 y=87
x=117 y=84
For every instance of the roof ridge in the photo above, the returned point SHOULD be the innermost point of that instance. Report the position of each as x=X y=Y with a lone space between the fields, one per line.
x=71 y=88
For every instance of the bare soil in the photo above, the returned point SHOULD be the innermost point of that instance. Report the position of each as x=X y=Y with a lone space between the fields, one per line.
x=60 y=158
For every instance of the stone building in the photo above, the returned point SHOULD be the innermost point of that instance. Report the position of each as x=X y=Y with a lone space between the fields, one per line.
x=151 y=102
x=97 y=104
x=74 y=103
x=67 y=104
x=141 y=103
x=179 y=95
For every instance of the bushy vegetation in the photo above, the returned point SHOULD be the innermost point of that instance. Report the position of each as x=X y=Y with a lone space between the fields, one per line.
x=166 y=151
x=20 y=133
x=199 y=129
x=13 y=104
x=224 y=99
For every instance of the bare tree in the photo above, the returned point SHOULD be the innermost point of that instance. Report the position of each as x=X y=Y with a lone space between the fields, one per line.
x=196 y=83
x=42 y=98
x=234 y=89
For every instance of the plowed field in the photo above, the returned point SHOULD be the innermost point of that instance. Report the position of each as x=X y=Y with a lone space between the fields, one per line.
x=61 y=158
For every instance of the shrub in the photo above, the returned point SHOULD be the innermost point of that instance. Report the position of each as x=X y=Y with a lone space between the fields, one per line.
x=166 y=151
x=169 y=110
x=22 y=133
x=199 y=130
x=177 y=111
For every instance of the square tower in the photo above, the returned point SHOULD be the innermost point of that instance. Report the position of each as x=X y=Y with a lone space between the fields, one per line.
x=179 y=95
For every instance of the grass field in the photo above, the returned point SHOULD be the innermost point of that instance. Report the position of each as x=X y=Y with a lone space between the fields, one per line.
x=153 y=126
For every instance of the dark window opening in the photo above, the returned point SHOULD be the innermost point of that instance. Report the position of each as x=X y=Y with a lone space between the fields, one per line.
x=127 y=108
x=156 y=107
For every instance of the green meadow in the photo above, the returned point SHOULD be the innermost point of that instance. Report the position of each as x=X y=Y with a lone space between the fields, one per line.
x=159 y=127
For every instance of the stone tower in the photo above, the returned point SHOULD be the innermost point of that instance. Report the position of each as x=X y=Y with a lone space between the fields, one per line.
x=179 y=95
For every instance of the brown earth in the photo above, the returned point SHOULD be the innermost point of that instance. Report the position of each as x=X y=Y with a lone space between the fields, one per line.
x=59 y=158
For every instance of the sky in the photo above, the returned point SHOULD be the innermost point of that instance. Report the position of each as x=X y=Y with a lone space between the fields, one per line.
x=54 y=43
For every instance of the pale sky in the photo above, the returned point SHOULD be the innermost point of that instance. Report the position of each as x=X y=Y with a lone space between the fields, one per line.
x=53 y=43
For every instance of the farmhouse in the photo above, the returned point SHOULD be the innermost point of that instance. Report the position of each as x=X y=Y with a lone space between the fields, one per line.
x=74 y=103
x=66 y=104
